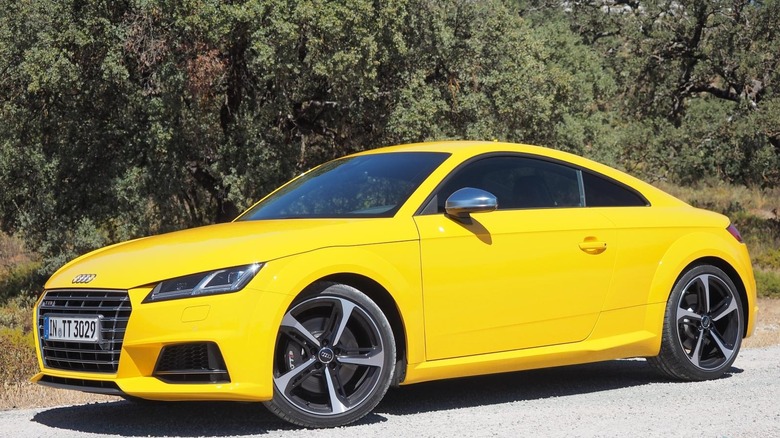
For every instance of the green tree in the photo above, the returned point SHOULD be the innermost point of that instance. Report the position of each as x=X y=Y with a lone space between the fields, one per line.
x=697 y=83
x=124 y=119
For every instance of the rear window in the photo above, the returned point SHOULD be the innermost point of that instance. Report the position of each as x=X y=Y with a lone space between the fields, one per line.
x=601 y=192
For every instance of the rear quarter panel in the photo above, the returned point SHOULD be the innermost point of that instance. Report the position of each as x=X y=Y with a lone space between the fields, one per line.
x=657 y=244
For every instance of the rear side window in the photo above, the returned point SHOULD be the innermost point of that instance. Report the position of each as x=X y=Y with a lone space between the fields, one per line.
x=602 y=192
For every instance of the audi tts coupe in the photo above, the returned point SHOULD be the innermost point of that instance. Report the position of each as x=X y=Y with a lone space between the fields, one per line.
x=403 y=265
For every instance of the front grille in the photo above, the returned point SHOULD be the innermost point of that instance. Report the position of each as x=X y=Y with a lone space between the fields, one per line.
x=197 y=362
x=114 y=308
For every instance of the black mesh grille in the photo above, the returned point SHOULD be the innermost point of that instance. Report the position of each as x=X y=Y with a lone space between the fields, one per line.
x=184 y=357
x=198 y=362
x=114 y=307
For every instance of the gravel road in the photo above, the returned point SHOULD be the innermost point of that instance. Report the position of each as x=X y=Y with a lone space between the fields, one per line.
x=617 y=398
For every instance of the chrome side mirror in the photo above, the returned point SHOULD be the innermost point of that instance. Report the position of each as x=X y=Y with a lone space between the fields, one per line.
x=469 y=200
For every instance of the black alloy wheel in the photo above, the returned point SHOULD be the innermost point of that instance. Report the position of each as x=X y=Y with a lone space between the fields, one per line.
x=334 y=358
x=703 y=328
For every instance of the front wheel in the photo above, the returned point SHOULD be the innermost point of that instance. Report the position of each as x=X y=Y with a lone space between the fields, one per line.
x=703 y=327
x=334 y=358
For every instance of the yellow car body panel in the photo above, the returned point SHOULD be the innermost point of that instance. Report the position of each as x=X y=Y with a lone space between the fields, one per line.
x=609 y=340
x=662 y=242
x=569 y=285
x=195 y=250
x=470 y=268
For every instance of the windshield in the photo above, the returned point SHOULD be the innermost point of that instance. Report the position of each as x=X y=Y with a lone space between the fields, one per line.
x=363 y=186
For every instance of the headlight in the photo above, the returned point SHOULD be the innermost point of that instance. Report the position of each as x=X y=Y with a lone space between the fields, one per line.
x=220 y=281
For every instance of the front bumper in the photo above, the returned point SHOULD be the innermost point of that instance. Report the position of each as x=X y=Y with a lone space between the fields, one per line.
x=238 y=328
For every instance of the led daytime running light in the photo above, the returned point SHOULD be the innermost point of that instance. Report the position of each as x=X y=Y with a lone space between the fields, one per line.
x=219 y=281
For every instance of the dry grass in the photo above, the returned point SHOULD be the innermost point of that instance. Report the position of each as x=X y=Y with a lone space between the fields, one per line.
x=768 y=325
x=728 y=198
x=28 y=395
x=12 y=254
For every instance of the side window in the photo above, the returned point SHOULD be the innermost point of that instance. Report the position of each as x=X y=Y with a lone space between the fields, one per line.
x=518 y=182
x=601 y=192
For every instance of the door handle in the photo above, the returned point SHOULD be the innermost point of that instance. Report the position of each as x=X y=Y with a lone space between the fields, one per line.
x=593 y=246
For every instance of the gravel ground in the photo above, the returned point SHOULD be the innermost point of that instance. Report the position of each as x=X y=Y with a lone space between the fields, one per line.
x=617 y=398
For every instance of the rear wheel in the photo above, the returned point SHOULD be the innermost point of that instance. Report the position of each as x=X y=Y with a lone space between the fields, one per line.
x=334 y=358
x=703 y=328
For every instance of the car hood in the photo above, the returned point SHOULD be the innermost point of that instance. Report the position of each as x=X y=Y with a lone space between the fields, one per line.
x=151 y=259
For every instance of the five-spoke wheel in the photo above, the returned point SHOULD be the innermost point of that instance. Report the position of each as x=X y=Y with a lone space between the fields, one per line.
x=703 y=328
x=334 y=358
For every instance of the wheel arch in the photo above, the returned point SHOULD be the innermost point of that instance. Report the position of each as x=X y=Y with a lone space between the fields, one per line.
x=387 y=304
x=709 y=248
x=733 y=276
x=387 y=273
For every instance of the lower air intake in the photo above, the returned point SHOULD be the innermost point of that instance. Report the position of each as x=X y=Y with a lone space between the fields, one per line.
x=197 y=362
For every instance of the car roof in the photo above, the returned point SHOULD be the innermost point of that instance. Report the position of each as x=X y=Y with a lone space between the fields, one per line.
x=459 y=147
x=464 y=149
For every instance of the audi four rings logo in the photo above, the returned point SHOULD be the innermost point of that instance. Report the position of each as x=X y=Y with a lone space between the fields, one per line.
x=84 y=278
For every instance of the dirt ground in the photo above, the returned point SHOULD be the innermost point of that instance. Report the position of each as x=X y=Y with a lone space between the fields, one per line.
x=768 y=325
x=28 y=395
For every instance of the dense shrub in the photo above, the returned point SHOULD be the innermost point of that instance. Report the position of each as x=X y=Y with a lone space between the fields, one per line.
x=19 y=270
x=768 y=283
x=122 y=119
x=17 y=353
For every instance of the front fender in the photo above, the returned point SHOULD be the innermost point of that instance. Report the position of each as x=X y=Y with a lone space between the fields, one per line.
x=394 y=266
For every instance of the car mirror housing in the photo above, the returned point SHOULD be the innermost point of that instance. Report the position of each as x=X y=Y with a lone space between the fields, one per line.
x=469 y=200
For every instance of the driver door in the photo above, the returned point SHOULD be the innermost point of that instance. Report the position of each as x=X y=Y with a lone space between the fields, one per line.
x=533 y=273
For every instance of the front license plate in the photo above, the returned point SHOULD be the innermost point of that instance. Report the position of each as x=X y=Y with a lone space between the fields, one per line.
x=71 y=328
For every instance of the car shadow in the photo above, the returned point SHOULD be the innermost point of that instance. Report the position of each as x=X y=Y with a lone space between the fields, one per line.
x=216 y=419
x=522 y=386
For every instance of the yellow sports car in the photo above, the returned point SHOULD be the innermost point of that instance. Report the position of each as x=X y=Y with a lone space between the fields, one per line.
x=403 y=265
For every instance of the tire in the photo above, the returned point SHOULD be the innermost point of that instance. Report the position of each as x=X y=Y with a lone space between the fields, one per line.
x=334 y=358
x=703 y=326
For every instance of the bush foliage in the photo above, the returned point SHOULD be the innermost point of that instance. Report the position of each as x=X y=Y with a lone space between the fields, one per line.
x=17 y=352
x=123 y=119
x=768 y=283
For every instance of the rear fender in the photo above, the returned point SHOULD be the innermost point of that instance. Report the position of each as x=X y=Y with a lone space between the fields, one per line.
x=709 y=245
